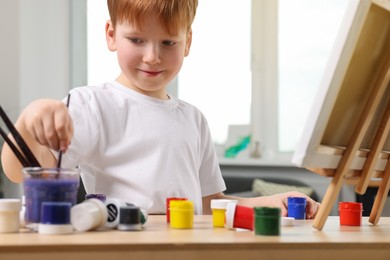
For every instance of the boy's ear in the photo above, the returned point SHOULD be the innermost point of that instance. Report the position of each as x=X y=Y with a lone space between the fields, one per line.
x=188 y=44
x=110 y=36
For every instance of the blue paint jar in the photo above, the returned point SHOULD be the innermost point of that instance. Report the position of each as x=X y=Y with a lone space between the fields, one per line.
x=296 y=207
x=55 y=218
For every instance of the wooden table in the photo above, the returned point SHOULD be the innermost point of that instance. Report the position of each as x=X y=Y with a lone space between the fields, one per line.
x=158 y=241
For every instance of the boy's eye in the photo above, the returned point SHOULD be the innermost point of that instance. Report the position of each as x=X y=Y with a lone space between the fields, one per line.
x=168 y=43
x=135 y=40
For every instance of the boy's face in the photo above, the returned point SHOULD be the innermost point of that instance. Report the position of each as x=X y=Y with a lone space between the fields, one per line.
x=148 y=57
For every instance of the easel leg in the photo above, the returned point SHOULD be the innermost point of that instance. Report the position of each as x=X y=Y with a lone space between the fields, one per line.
x=380 y=138
x=329 y=199
x=381 y=196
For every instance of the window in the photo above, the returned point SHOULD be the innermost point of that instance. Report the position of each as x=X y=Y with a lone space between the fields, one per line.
x=216 y=76
x=256 y=63
x=291 y=44
x=102 y=64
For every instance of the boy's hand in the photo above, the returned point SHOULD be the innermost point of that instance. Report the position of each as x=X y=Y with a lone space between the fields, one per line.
x=280 y=200
x=49 y=123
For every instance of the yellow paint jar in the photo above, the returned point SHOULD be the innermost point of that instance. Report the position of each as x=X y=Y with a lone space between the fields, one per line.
x=182 y=214
x=218 y=208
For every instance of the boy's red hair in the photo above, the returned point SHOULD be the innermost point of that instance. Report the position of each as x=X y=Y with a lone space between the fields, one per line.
x=173 y=14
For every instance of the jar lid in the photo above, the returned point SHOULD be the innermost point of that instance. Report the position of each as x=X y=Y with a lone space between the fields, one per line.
x=287 y=221
x=56 y=213
x=351 y=206
x=168 y=200
x=296 y=200
x=113 y=205
x=220 y=203
x=229 y=214
x=98 y=196
x=181 y=205
x=10 y=204
x=267 y=211
x=46 y=229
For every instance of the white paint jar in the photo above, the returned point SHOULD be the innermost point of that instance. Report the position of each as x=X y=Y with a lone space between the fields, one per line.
x=9 y=215
x=91 y=214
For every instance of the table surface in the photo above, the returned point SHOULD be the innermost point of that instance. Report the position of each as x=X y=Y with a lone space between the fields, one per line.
x=203 y=240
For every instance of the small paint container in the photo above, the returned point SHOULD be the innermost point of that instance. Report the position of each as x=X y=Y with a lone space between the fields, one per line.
x=350 y=213
x=296 y=207
x=167 y=204
x=55 y=218
x=113 y=206
x=182 y=214
x=98 y=196
x=22 y=213
x=9 y=215
x=238 y=216
x=129 y=218
x=218 y=208
x=267 y=221
x=89 y=215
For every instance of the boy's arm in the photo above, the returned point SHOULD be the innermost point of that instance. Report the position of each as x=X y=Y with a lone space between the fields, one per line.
x=40 y=125
x=277 y=200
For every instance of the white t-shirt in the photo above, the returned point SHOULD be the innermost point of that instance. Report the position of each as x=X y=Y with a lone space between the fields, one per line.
x=141 y=149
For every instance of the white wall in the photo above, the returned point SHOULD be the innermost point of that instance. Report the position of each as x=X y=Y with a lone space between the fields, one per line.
x=35 y=56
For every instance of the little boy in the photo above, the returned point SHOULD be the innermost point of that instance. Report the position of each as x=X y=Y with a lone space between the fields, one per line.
x=130 y=138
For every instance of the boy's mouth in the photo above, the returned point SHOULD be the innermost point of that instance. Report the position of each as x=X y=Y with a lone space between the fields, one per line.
x=151 y=73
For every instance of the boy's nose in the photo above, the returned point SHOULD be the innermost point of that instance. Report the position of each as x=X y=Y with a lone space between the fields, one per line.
x=152 y=55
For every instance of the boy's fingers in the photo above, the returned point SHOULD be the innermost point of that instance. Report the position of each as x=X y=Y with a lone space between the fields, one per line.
x=63 y=128
x=39 y=130
x=312 y=209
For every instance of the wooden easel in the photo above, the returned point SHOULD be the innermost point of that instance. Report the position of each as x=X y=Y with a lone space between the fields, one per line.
x=361 y=179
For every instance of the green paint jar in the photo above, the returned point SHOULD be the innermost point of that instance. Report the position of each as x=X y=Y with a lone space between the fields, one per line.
x=267 y=221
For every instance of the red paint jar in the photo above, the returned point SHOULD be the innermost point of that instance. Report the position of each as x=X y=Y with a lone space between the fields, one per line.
x=239 y=216
x=168 y=213
x=350 y=213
